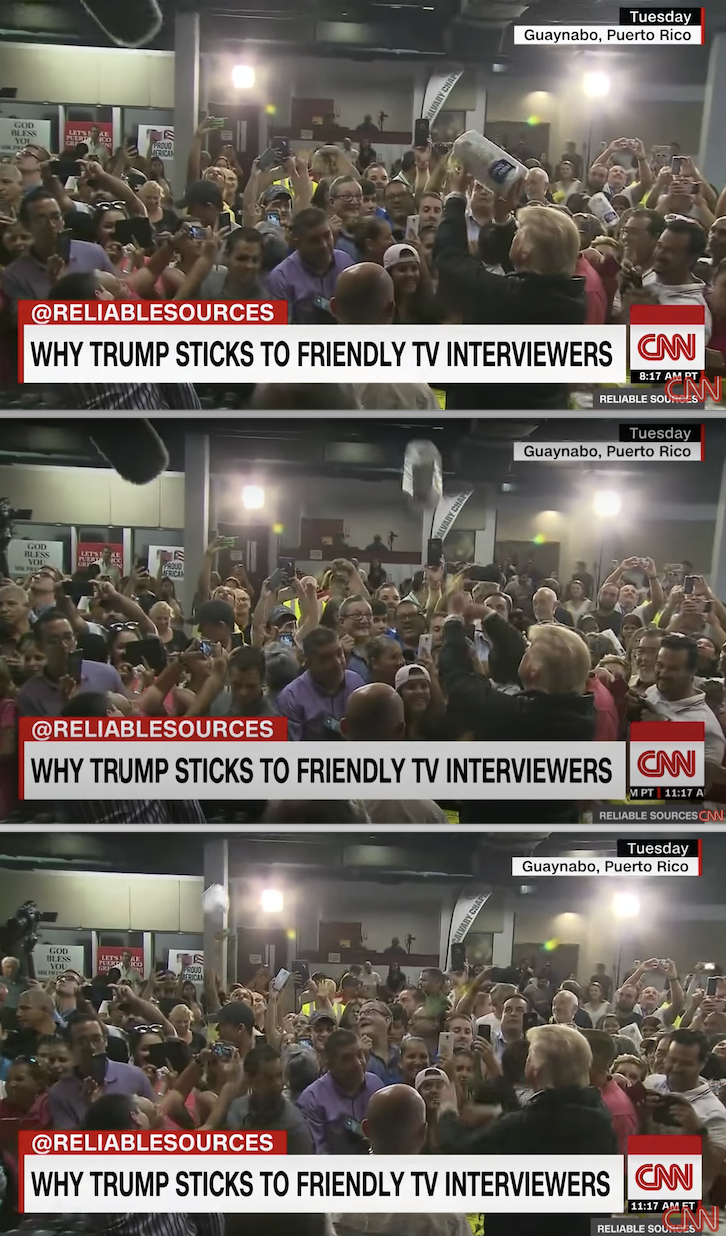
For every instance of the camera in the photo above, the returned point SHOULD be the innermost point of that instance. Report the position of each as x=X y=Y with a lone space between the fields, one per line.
x=7 y=516
x=19 y=936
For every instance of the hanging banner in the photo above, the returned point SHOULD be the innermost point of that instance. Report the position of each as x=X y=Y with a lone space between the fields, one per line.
x=108 y=956
x=159 y=139
x=438 y=88
x=446 y=512
x=170 y=558
x=465 y=911
x=98 y=137
x=88 y=552
x=15 y=134
x=50 y=961
x=24 y=557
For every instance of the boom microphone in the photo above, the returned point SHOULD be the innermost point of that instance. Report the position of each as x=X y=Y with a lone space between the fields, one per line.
x=133 y=448
x=132 y=23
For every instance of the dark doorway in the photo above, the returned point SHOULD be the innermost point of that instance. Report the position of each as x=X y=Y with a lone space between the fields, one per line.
x=241 y=130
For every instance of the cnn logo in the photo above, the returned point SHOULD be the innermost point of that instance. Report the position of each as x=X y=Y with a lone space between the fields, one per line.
x=668 y=764
x=664 y=337
x=676 y=1178
x=667 y=754
x=664 y=1169
x=668 y=347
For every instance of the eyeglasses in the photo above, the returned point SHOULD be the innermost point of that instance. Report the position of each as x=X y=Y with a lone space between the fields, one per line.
x=348 y=197
x=111 y=206
x=147 y=1029
x=122 y=626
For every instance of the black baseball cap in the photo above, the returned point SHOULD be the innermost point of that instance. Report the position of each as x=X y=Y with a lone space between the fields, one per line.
x=203 y=193
x=236 y=1013
x=280 y=614
x=321 y=1015
x=215 y=612
x=274 y=193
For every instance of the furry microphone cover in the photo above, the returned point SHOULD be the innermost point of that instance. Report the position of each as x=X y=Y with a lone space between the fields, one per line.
x=130 y=23
x=132 y=447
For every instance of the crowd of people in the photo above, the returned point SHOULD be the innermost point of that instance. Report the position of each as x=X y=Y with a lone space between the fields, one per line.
x=490 y=653
x=344 y=238
x=485 y=1060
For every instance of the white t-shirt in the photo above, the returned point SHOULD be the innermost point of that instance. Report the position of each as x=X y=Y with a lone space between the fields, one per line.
x=596 y=1011
x=694 y=708
x=681 y=294
x=710 y=1111
x=490 y=1019
x=370 y=984
x=578 y=610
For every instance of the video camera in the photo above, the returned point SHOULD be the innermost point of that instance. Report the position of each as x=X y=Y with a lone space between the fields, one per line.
x=19 y=936
x=7 y=515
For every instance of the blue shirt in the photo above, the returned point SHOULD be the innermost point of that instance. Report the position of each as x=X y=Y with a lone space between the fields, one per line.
x=359 y=666
x=27 y=278
x=346 y=244
x=312 y=714
x=41 y=697
x=307 y=293
x=334 y=1118
x=69 y=1105
x=389 y=1071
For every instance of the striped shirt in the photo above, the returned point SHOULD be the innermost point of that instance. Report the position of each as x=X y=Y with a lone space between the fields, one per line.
x=160 y=1225
x=124 y=1225
x=115 y=396
x=145 y=811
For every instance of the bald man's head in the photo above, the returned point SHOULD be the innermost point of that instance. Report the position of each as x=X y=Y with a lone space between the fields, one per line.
x=396 y=1121
x=544 y=604
x=374 y=714
x=364 y=296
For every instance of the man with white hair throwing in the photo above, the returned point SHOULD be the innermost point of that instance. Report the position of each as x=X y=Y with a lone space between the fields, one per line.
x=566 y=1116
x=542 y=246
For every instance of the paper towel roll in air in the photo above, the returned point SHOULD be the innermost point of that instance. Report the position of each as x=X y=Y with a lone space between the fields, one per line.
x=422 y=473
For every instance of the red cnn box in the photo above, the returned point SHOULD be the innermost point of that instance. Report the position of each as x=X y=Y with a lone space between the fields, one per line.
x=664 y=1169
x=666 y=756
x=667 y=338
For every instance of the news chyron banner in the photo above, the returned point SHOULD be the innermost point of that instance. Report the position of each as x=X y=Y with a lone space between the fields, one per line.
x=648 y=442
x=199 y=1171
x=213 y=757
x=63 y=342
x=635 y=26
x=669 y=856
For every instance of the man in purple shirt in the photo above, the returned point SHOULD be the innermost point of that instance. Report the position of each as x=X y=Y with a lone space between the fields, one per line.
x=307 y=278
x=32 y=276
x=46 y=694
x=335 y=1105
x=93 y=1074
x=315 y=703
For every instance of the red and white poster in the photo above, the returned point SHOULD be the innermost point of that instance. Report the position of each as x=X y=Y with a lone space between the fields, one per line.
x=107 y=958
x=88 y=552
x=98 y=137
